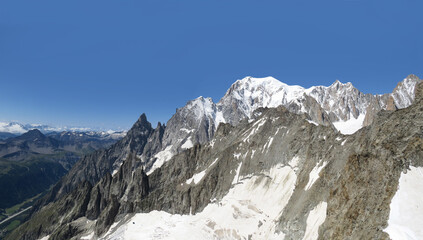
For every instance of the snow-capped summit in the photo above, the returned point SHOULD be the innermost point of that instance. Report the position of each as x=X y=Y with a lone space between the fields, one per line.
x=248 y=94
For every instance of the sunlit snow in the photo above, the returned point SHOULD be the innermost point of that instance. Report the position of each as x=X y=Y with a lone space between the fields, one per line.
x=351 y=126
x=249 y=209
x=314 y=174
x=406 y=214
x=315 y=218
x=187 y=144
x=162 y=157
x=197 y=177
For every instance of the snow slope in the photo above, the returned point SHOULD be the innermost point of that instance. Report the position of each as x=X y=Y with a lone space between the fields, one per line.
x=249 y=209
x=315 y=218
x=406 y=215
x=350 y=126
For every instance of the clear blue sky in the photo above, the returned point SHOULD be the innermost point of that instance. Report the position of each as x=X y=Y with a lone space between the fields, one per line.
x=103 y=63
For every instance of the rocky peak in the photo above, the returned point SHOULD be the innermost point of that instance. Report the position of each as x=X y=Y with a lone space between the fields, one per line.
x=413 y=77
x=141 y=125
x=32 y=135
x=200 y=107
x=403 y=93
x=338 y=84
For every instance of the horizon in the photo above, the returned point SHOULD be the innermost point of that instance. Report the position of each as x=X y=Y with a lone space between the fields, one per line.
x=101 y=64
x=87 y=129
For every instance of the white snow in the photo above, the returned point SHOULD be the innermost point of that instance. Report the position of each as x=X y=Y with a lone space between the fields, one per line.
x=250 y=208
x=187 y=130
x=406 y=214
x=294 y=162
x=212 y=142
x=312 y=122
x=236 y=178
x=351 y=126
x=315 y=218
x=252 y=153
x=267 y=144
x=219 y=119
x=187 y=144
x=342 y=144
x=116 y=168
x=88 y=237
x=45 y=238
x=270 y=142
x=162 y=157
x=253 y=93
x=214 y=162
x=314 y=174
x=196 y=178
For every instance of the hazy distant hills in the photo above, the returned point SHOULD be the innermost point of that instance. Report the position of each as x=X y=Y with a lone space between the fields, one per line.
x=32 y=162
x=13 y=129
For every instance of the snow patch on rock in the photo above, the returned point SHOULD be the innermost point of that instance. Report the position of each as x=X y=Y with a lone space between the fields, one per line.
x=161 y=157
x=315 y=218
x=351 y=126
x=236 y=178
x=406 y=215
x=187 y=144
x=314 y=174
x=196 y=178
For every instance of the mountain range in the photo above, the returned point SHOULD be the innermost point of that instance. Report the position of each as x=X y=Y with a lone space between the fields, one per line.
x=267 y=161
x=32 y=162
x=13 y=129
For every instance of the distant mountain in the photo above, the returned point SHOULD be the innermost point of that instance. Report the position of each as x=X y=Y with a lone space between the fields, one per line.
x=6 y=135
x=32 y=162
x=85 y=141
x=16 y=128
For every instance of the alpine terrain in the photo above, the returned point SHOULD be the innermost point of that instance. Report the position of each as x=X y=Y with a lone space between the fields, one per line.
x=32 y=162
x=267 y=161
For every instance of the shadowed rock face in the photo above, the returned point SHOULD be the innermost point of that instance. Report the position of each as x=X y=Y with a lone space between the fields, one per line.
x=357 y=181
x=94 y=166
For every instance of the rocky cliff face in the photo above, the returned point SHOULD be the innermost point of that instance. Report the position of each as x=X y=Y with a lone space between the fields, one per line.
x=273 y=174
x=91 y=168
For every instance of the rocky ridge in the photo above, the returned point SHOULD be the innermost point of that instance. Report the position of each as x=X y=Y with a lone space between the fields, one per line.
x=339 y=106
x=350 y=179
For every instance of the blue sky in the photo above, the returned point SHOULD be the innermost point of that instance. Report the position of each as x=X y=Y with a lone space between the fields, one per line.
x=103 y=63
